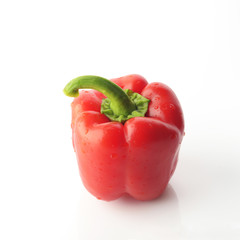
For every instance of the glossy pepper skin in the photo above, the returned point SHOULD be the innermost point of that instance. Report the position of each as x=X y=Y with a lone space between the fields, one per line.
x=137 y=157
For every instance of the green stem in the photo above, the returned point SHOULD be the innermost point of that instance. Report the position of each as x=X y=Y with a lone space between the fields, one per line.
x=120 y=102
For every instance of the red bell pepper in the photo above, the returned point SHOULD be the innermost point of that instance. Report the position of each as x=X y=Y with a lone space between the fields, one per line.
x=129 y=142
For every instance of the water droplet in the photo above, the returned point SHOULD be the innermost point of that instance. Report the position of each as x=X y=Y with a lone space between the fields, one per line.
x=174 y=136
x=113 y=155
x=171 y=106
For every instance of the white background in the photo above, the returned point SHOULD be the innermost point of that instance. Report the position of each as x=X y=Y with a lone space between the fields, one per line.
x=192 y=46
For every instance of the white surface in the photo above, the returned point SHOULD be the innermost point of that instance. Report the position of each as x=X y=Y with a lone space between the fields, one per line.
x=192 y=46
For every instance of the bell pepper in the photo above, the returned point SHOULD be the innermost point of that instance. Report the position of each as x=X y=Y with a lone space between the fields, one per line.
x=126 y=134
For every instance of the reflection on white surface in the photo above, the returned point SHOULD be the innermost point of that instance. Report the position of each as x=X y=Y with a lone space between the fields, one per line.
x=142 y=220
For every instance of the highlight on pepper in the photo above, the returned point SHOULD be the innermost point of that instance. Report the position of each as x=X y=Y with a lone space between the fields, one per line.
x=126 y=133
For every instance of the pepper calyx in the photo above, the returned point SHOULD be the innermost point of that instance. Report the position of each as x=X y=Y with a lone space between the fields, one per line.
x=140 y=102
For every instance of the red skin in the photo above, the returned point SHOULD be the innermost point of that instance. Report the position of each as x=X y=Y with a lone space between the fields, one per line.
x=138 y=157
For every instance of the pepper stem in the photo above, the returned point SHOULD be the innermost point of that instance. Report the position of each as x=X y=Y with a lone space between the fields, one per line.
x=120 y=101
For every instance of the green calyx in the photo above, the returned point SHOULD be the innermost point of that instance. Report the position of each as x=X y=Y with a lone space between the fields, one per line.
x=140 y=102
x=120 y=105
